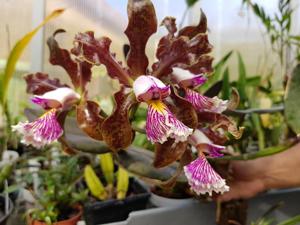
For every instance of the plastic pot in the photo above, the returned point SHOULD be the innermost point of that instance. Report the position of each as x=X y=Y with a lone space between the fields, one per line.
x=101 y=212
x=71 y=221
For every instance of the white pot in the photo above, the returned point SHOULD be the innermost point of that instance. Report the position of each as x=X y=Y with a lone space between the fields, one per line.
x=160 y=201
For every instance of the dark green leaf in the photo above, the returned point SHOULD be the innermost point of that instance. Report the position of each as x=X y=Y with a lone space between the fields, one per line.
x=226 y=85
x=242 y=82
x=292 y=101
x=190 y=3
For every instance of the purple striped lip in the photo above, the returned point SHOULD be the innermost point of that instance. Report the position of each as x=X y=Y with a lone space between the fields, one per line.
x=203 y=179
x=40 y=132
x=161 y=124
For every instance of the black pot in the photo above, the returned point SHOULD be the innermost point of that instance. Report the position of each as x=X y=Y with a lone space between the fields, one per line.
x=3 y=216
x=113 y=210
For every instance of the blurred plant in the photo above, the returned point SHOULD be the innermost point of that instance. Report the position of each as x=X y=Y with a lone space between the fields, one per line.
x=278 y=28
x=59 y=192
x=9 y=71
x=96 y=186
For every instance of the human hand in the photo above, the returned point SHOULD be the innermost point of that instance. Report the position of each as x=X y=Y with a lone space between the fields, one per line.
x=255 y=176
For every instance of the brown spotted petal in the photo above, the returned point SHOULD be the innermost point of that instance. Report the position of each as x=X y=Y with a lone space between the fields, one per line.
x=234 y=100
x=192 y=31
x=170 y=24
x=78 y=71
x=216 y=121
x=116 y=129
x=142 y=24
x=40 y=83
x=168 y=152
x=89 y=119
x=202 y=65
x=183 y=110
x=97 y=51
x=181 y=51
x=171 y=53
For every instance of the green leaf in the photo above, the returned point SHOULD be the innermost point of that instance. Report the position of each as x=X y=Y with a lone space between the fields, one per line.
x=293 y=221
x=218 y=69
x=226 y=85
x=190 y=3
x=254 y=155
x=242 y=82
x=17 y=52
x=292 y=101
x=107 y=167
x=122 y=183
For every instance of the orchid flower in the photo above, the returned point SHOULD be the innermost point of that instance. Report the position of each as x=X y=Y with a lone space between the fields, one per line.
x=200 y=174
x=46 y=129
x=201 y=103
x=161 y=123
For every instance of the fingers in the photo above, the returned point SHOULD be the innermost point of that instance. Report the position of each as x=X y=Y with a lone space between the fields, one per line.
x=242 y=190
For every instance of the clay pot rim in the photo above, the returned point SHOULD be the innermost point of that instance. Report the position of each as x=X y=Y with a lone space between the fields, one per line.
x=77 y=216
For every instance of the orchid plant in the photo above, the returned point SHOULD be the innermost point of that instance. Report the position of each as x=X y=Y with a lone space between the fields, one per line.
x=180 y=121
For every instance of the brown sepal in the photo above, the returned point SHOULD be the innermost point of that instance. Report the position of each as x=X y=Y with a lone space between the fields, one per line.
x=40 y=83
x=142 y=24
x=192 y=31
x=183 y=110
x=78 y=71
x=116 y=129
x=168 y=152
x=89 y=119
x=97 y=51
x=234 y=100
x=220 y=121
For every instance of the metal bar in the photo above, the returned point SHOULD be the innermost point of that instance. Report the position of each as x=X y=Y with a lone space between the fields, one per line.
x=37 y=43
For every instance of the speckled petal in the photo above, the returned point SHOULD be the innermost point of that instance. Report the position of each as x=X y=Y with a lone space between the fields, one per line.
x=206 y=104
x=148 y=88
x=162 y=124
x=202 y=142
x=187 y=79
x=40 y=132
x=203 y=178
x=60 y=97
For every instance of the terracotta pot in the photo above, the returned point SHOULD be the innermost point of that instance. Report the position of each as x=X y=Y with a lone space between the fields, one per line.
x=71 y=221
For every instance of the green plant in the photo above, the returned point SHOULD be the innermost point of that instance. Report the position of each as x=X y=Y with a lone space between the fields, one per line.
x=9 y=71
x=108 y=191
x=59 y=191
x=278 y=29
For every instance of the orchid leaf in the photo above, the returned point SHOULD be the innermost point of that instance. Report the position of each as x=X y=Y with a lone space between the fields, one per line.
x=168 y=152
x=97 y=52
x=254 y=155
x=142 y=24
x=116 y=129
x=17 y=52
x=89 y=119
x=192 y=31
x=226 y=85
x=292 y=101
x=292 y=221
x=190 y=3
x=78 y=71
x=40 y=83
x=139 y=161
x=242 y=82
x=214 y=90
